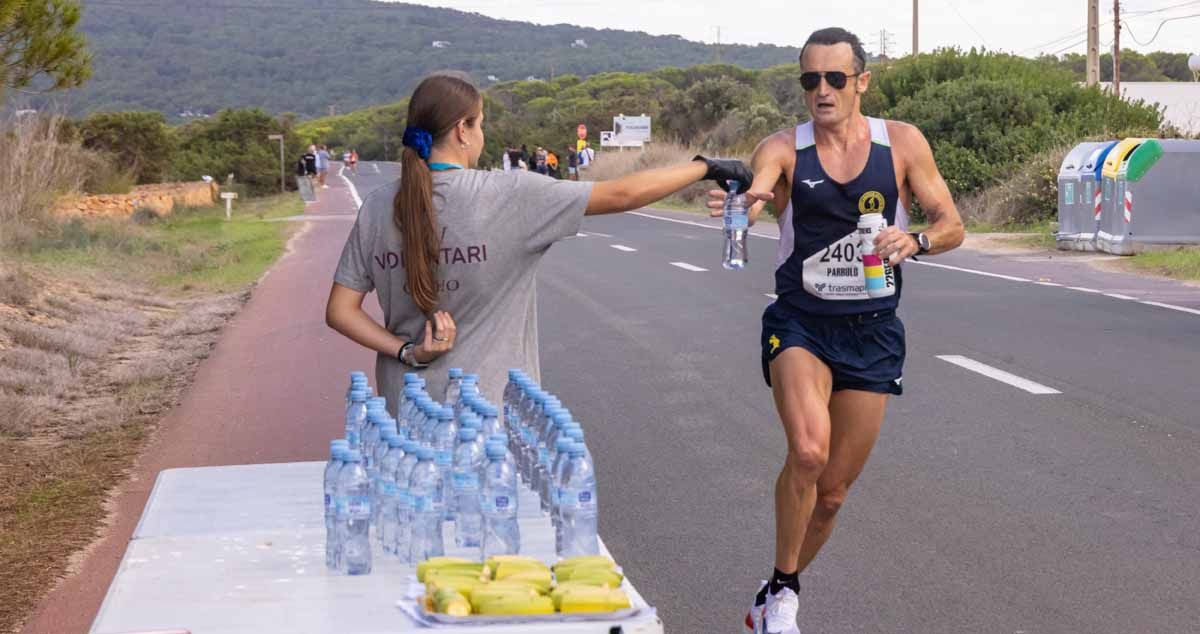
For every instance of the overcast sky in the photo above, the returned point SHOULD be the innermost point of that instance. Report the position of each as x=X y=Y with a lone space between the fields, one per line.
x=1025 y=27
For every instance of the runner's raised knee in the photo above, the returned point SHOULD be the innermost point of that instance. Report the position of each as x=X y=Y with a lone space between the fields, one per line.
x=807 y=459
x=829 y=503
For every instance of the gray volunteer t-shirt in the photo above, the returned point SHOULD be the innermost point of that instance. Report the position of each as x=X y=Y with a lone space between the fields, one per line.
x=496 y=226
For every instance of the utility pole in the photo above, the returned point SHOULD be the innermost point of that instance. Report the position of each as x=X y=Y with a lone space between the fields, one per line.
x=916 y=40
x=1117 y=48
x=718 y=45
x=1093 y=43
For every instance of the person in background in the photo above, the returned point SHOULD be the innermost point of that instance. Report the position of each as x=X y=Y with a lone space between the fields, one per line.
x=514 y=158
x=310 y=163
x=322 y=166
x=505 y=162
x=586 y=156
x=451 y=250
x=551 y=164
x=354 y=161
x=526 y=157
x=572 y=164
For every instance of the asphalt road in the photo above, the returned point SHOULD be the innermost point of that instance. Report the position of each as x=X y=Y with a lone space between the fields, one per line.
x=984 y=508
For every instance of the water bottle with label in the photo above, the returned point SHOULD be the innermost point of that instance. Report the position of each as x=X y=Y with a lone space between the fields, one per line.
x=512 y=392
x=578 y=506
x=356 y=415
x=490 y=423
x=425 y=487
x=468 y=460
x=445 y=440
x=469 y=391
x=389 y=494
x=737 y=227
x=353 y=510
x=369 y=434
x=563 y=449
x=404 y=507
x=337 y=449
x=877 y=272
x=501 y=533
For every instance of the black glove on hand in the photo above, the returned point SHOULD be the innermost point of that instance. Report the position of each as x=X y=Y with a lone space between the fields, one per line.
x=724 y=170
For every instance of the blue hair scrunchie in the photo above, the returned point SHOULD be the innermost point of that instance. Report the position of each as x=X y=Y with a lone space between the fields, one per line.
x=419 y=140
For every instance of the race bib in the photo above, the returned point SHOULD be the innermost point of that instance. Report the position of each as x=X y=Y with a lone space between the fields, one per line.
x=835 y=272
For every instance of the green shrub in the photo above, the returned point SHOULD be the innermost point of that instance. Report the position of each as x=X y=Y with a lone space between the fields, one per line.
x=138 y=142
x=235 y=142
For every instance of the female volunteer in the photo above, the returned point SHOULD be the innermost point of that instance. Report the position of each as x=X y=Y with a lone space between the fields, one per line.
x=452 y=251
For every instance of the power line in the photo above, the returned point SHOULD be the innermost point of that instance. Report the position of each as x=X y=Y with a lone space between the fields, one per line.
x=1160 y=28
x=954 y=7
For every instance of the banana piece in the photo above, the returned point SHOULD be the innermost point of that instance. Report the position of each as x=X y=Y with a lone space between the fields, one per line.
x=538 y=578
x=446 y=563
x=464 y=585
x=591 y=600
x=492 y=591
x=589 y=560
x=507 y=569
x=591 y=576
x=494 y=561
x=514 y=604
x=451 y=602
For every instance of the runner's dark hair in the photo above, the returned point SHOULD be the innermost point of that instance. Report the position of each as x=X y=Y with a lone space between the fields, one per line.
x=836 y=35
x=436 y=106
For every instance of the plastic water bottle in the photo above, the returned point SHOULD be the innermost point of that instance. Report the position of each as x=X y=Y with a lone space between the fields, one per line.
x=370 y=431
x=578 y=506
x=489 y=423
x=498 y=501
x=389 y=498
x=404 y=409
x=512 y=392
x=468 y=460
x=387 y=430
x=737 y=226
x=358 y=379
x=425 y=486
x=453 y=386
x=432 y=411
x=445 y=441
x=548 y=487
x=878 y=275
x=356 y=414
x=470 y=391
x=337 y=449
x=563 y=447
x=354 y=515
x=403 y=539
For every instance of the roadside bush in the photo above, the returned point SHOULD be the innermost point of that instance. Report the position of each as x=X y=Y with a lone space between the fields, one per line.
x=1028 y=195
x=235 y=142
x=139 y=143
x=35 y=168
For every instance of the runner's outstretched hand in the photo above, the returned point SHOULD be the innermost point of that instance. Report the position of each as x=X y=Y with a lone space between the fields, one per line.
x=725 y=170
x=716 y=201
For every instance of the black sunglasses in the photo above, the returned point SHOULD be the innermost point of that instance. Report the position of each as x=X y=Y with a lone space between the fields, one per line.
x=835 y=78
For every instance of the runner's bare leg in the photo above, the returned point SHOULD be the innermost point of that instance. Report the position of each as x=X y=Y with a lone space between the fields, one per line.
x=856 y=418
x=802 y=389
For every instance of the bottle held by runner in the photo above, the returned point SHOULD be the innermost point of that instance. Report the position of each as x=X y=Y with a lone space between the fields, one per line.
x=501 y=534
x=880 y=279
x=354 y=515
x=737 y=226
x=336 y=455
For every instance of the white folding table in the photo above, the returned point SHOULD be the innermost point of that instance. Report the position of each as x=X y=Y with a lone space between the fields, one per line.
x=241 y=550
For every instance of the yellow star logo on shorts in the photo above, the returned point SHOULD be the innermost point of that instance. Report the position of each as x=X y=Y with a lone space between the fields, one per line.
x=774 y=341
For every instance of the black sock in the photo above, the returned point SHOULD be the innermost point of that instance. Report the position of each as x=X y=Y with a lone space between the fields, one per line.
x=780 y=580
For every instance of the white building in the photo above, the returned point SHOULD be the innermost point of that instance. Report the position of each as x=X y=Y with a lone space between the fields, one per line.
x=579 y=44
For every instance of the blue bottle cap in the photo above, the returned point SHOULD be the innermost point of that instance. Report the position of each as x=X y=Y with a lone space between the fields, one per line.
x=498 y=438
x=411 y=377
x=562 y=418
x=467 y=434
x=410 y=446
x=469 y=419
x=395 y=441
x=456 y=373
x=495 y=451
x=472 y=377
x=358 y=395
x=445 y=413
x=354 y=455
x=425 y=454
x=577 y=449
x=564 y=444
x=490 y=410
x=514 y=374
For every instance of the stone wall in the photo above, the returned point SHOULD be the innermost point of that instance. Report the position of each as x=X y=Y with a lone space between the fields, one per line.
x=162 y=199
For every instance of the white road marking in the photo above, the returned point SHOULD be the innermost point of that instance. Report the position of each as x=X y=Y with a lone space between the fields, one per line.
x=597 y=233
x=621 y=247
x=998 y=374
x=696 y=224
x=1012 y=278
x=353 y=189
x=376 y=166
x=1084 y=289
x=688 y=267
x=1120 y=296
x=1178 y=308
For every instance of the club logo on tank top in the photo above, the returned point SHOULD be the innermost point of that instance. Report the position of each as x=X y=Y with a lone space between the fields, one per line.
x=871 y=202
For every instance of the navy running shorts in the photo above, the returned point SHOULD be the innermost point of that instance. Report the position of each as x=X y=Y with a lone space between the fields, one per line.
x=864 y=352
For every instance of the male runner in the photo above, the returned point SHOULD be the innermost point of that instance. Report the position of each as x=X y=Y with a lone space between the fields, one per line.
x=831 y=354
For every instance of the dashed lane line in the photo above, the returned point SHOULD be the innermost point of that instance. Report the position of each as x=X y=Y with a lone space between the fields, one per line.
x=688 y=267
x=621 y=247
x=1000 y=375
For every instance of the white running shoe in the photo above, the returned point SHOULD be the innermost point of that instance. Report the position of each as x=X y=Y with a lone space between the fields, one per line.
x=754 y=618
x=779 y=614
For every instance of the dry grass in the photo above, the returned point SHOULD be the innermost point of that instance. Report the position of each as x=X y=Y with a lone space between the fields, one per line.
x=1028 y=196
x=35 y=169
x=16 y=288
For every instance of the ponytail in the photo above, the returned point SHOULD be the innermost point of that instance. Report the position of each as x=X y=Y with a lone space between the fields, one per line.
x=436 y=107
x=415 y=218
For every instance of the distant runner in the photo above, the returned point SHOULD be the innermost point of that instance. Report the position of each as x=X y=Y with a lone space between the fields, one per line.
x=310 y=162
x=322 y=166
x=831 y=354
x=354 y=161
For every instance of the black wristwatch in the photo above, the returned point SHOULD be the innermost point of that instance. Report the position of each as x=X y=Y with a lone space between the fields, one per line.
x=923 y=244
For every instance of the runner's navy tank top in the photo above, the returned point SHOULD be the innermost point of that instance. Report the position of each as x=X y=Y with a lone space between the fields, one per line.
x=820 y=263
